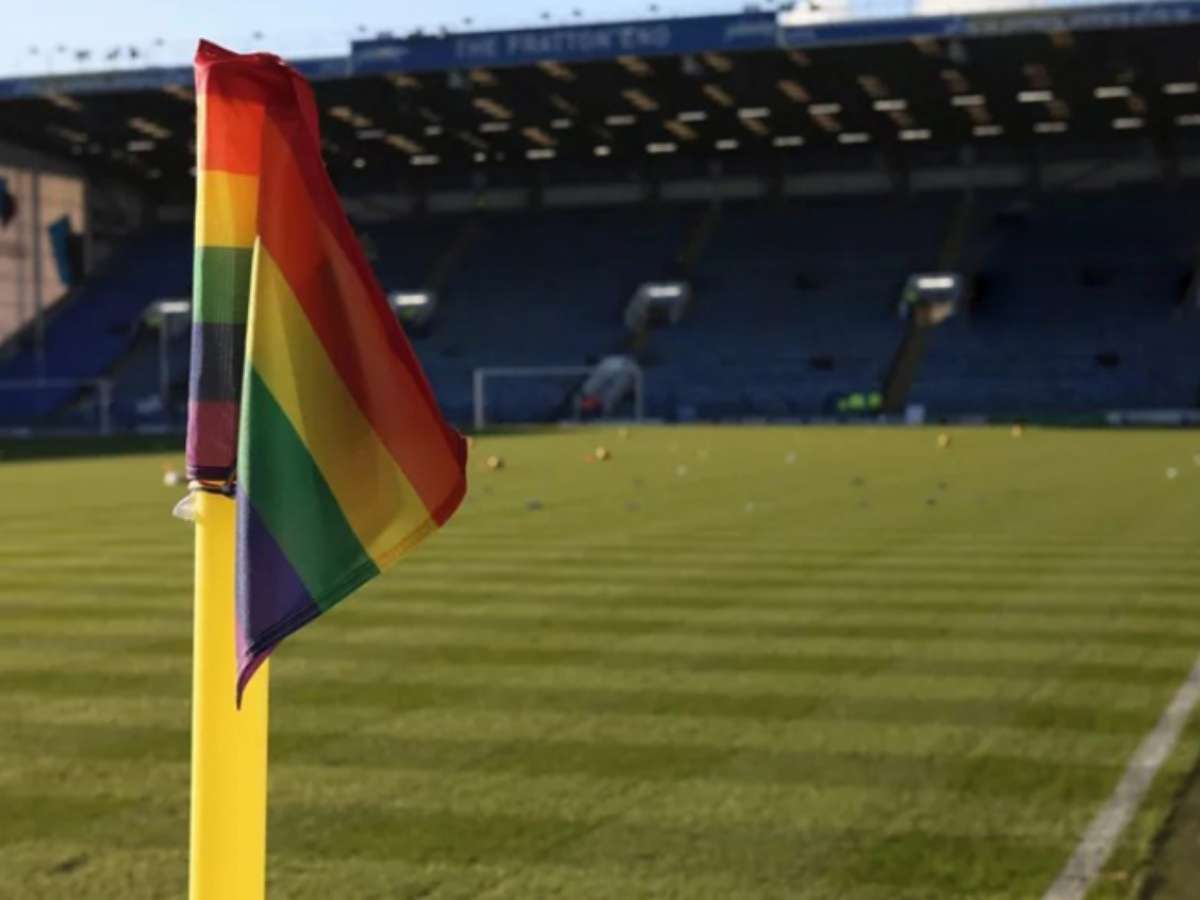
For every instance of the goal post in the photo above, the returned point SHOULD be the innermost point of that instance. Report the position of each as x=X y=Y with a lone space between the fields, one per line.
x=92 y=397
x=489 y=374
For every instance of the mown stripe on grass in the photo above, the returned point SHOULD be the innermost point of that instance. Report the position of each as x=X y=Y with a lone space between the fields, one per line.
x=981 y=775
x=467 y=662
x=408 y=694
x=807 y=618
x=399 y=650
x=734 y=635
x=468 y=726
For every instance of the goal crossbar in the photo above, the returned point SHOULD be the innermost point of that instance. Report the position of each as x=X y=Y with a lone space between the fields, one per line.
x=481 y=375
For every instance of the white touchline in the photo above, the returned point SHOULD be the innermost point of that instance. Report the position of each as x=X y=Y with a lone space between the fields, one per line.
x=1080 y=872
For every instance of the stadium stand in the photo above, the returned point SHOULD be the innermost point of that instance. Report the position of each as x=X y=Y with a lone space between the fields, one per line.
x=795 y=304
x=93 y=328
x=793 y=177
x=546 y=289
x=1080 y=309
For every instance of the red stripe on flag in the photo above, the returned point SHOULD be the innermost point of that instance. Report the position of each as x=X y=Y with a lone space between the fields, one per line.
x=303 y=227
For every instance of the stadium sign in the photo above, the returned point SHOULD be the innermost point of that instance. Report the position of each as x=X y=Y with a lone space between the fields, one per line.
x=573 y=43
x=660 y=37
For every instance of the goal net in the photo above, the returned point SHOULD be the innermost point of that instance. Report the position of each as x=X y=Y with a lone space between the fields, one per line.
x=510 y=395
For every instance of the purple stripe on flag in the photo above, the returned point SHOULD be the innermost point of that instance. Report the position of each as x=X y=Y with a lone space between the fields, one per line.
x=212 y=440
x=272 y=601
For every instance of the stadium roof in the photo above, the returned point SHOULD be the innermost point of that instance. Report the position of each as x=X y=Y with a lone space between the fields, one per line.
x=733 y=86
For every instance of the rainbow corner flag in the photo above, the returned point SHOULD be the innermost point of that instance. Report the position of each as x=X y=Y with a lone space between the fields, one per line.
x=306 y=401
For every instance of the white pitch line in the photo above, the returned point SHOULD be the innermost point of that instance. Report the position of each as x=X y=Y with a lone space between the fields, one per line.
x=1080 y=872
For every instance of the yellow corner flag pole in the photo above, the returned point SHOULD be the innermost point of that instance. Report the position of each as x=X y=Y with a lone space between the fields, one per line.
x=229 y=746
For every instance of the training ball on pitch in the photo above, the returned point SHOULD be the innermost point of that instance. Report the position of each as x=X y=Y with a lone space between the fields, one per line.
x=171 y=478
x=1195 y=459
x=1172 y=473
x=790 y=459
x=943 y=441
x=622 y=432
x=602 y=454
x=495 y=463
x=681 y=470
x=1017 y=431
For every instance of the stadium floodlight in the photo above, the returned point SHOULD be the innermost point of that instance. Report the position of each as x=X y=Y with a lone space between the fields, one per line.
x=788 y=140
x=620 y=120
x=1111 y=92
x=414 y=309
x=727 y=144
x=824 y=109
x=664 y=291
x=1189 y=120
x=932 y=297
x=916 y=134
x=754 y=112
x=602 y=150
x=894 y=104
x=540 y=153
x=433 y=130
x=935 y=282
x=410 y=298
x=657 y=303
x=1178 y=88
x=494 y=127
x=662 y=147
x=371 y=134
x=1050 y=127
x=560 y=124
x=425 y=159
x=987 y=130
x=692 y=115
x=1035 y=96
x=1125 y=123
x=853 y=137
x=968 y=100
x=359 y=162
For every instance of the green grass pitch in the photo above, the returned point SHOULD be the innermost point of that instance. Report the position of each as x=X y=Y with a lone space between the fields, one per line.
x=727 y=663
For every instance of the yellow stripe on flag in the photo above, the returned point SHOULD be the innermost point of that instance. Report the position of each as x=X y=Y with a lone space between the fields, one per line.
x=377 y=499
x=226 y=209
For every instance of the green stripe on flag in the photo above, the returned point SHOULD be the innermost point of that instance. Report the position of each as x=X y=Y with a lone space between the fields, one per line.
x=222 y=284
x=295 y=502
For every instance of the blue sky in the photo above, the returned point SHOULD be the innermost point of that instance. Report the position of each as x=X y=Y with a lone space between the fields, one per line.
x=165 y=31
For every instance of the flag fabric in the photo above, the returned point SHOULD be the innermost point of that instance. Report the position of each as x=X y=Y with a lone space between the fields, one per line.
x=306 y=401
